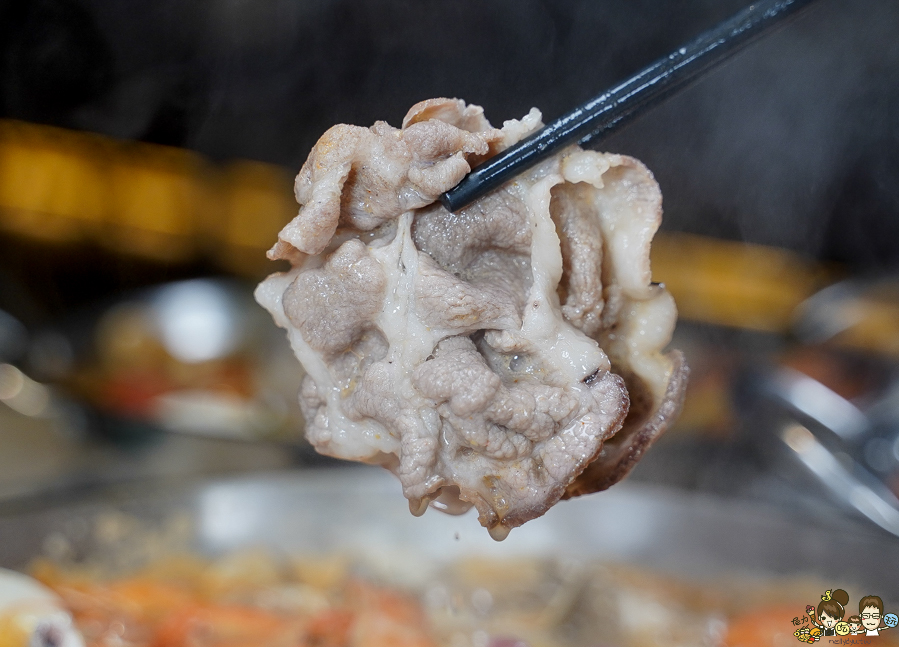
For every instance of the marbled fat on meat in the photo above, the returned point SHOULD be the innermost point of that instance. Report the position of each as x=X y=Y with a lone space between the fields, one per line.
x=502 y=357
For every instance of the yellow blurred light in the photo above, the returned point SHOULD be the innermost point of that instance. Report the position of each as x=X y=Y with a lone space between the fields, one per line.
x=257 y=201
x=171 y=205
x=156 y=196
x=734 y=284
x=51 y=182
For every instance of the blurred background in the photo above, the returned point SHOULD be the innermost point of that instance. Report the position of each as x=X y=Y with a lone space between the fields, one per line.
x=147 y=153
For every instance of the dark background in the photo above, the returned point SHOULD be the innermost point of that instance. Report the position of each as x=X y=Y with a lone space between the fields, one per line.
x=792 y=144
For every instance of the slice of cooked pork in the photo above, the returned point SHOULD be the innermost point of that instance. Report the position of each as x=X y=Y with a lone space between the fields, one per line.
x=501 y=357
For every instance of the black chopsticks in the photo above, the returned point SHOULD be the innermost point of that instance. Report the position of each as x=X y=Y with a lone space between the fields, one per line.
x=611 y=109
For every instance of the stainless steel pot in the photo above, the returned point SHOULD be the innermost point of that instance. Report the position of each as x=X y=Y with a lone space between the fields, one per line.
x=361 y=511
